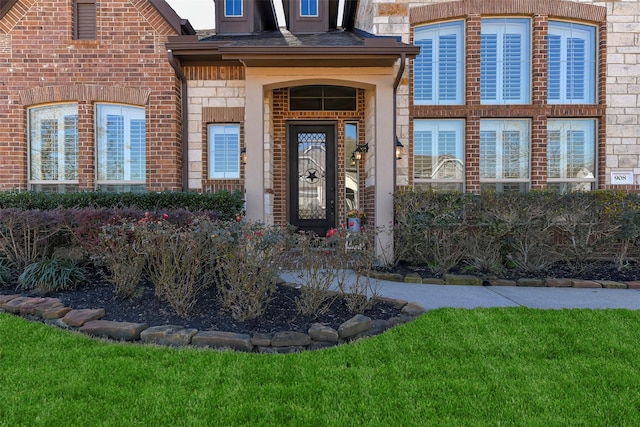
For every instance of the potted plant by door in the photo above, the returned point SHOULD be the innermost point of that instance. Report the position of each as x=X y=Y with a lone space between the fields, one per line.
x=355 y=220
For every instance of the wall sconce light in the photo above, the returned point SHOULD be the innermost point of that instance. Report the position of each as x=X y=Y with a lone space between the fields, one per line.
x=399 y=149
x=361 y=148
x=243 y=156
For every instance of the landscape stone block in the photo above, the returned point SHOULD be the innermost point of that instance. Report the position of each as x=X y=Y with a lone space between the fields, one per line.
x=396 y=303
x=13 y=306
x=320 y=332
x=80 y=317
x=413 y=278
x=531 y=283
x=40 y=306
x=6 y=298
x=633 y=284
x=462 y=279
x=55 y=313
x=585 y=284
x=125 y=331
x=290 y=339
x=610 y=284
x=357 y=324
x=412 y=309
x=261 y=339
x=378 y=326
x=171 y=335
x=433 y=281
x=559 y=283
x=502 y=282
x=221 y=340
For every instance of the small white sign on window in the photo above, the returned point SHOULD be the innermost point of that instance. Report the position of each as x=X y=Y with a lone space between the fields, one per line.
x=621 y=178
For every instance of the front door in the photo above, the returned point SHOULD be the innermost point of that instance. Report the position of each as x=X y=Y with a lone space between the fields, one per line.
x=312 y=177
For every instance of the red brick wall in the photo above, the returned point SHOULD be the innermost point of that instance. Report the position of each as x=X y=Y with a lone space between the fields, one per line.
x=127 y=64
x=538 y=111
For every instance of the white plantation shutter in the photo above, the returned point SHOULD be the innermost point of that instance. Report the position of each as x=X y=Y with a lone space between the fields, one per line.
x=571 y=63
x=438 y=69
x=505 y=63
x=224 y=151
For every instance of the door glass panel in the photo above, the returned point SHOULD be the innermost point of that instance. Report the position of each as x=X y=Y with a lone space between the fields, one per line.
x=312 y=185
x=351 y=166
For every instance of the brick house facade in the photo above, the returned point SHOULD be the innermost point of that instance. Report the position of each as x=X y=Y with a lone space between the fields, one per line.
x=124 y=62
x=230 y=109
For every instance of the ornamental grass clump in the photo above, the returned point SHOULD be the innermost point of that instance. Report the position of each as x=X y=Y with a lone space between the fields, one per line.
x=52 y=275
x=248 y=256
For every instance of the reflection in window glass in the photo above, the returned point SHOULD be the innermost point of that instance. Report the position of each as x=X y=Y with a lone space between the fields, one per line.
x=53 y=147
x=571 y=163
x=504 y=154
x=121 y=145
x=438 y=153
x=351 y=166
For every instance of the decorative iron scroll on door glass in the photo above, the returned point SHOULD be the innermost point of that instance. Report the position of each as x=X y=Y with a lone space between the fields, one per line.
x=312 y=165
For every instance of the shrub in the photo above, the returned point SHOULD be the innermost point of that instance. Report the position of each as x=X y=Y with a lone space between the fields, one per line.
x=355 y=251
x=227 y=204
x=122 y=256
x=51 y=275
x=28 y=236
x=175 y=260
x=5 y=272
x=248 y=256
x=318 y=268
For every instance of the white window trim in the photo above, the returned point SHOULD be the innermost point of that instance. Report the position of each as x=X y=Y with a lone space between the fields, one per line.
x=317 y=9
x=211 y=130
x=433 y=32
x=499 y=26
x=235 y=15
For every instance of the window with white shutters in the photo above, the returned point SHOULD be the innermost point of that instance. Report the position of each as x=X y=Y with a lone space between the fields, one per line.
x=505 y=61
x=224 y=151
x=439 y=68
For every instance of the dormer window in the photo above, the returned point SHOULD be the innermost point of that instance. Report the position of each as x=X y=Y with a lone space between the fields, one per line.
x=308 y=8
x=233 y=8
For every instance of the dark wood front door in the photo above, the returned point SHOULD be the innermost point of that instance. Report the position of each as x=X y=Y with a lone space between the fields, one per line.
x=312 y=177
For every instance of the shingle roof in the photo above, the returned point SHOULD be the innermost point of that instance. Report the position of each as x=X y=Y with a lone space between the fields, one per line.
x=285 y=38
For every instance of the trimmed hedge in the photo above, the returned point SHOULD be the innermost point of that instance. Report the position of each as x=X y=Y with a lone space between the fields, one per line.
x=227 y=204
x=529 y=231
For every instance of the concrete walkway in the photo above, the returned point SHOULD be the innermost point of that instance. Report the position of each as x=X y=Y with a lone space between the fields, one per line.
x=440 y=296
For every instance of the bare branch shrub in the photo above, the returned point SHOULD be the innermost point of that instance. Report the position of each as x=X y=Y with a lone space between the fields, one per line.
x=28 y=236
x=174 y=260
x=248 y=258
x=317 y=269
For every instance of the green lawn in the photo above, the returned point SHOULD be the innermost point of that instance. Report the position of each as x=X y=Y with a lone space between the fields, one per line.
x=450 y=367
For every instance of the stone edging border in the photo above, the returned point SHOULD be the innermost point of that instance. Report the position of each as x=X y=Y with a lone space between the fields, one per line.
x=470 y=280
x=52 y=311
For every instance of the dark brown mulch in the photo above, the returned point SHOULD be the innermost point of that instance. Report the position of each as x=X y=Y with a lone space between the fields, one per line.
x=593 y=270
x=207 y=313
